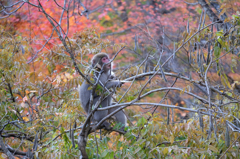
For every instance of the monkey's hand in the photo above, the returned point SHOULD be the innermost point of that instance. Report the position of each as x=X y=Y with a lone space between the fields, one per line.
x=119 y=84
x=112 y=77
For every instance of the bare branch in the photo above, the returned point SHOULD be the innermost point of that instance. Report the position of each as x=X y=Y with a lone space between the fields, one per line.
x=5 y=150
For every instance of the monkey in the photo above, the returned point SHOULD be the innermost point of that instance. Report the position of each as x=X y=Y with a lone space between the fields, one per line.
x=102 y=66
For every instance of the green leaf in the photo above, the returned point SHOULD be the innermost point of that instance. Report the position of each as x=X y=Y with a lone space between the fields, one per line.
x=104 y=154
x=145 y=131
x=221 y=42
x=219 y=33
x=141 y=121
x=137 y=150
x=217 y=52
x=19 y=38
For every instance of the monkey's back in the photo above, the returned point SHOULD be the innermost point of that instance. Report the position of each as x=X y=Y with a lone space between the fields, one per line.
x=84 y=95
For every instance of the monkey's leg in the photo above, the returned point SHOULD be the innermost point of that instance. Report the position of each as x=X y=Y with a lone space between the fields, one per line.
x=120 y=117
x=99 y=115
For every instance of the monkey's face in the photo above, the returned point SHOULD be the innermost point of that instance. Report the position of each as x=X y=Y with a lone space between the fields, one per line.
x=101 y=61
x=105 y=60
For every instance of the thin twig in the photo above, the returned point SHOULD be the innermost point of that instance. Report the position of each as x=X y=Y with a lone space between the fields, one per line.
x=229 y=147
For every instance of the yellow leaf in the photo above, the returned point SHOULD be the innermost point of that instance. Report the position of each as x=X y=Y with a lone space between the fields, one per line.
x=25 y=119
x=223 y=6
x=212 y=148
x=182 y=91
x=92 y=80
x=226 y=80
x=165 y=151
x=27 y=92
x=68 y=75
x=172 y=139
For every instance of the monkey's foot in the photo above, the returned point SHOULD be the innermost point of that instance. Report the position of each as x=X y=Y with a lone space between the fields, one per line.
x=106 y=125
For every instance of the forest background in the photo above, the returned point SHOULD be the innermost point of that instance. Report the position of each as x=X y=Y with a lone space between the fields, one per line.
x=181 y=58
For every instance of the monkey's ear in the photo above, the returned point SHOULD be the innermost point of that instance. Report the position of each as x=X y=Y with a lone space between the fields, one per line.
x=93 y=63
x=96 y=65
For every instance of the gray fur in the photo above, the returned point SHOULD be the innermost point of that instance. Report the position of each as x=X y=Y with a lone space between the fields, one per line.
x=84 y=94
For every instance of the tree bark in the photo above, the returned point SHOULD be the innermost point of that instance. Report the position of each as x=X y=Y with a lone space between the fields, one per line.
x=82 y=142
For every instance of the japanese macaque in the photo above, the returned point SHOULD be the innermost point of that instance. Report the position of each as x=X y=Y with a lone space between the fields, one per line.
x=102 y=67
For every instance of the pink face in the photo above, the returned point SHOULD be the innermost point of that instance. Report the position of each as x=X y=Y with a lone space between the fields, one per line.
x=106 y=60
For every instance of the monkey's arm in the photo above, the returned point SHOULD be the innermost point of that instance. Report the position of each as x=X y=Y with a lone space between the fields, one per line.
x=122 y=81
x=113 y=84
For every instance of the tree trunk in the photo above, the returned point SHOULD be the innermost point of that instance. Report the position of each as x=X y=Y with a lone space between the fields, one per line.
x=82 y=141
